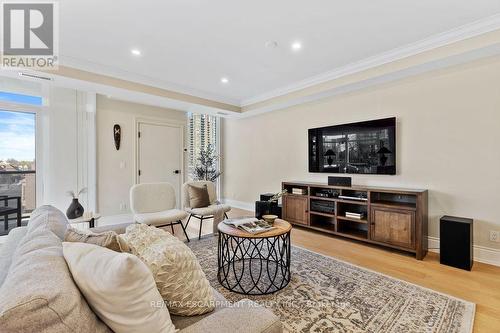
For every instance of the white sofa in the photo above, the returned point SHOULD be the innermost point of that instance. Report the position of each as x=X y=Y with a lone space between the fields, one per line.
x=38 y=294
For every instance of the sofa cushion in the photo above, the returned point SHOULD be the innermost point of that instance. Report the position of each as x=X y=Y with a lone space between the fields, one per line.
x=48 y=218
x=107 y=239
x=176 y=270
x=39 y=294
x=119 y=287
x=181 y=322
x=7 y=250
x=118 y=228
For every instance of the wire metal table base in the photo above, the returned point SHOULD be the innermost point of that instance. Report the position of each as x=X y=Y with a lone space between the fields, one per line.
x=254 y=266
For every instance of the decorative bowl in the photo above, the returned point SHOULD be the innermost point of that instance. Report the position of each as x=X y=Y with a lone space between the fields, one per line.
x=269 y=218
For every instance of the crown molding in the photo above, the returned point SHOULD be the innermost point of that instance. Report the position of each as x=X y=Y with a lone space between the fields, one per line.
x=464 y=32
x=118 y=73
x=470 y=30
x=446 y=62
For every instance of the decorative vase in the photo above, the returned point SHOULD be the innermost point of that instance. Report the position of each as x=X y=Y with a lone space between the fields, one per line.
x=75 y=210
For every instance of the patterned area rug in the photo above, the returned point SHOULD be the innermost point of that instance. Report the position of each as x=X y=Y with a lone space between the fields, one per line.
x=328 y=295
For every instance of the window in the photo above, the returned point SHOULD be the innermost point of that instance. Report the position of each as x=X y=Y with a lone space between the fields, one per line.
x=202 y=132
x=18 y=98
x=17 y=159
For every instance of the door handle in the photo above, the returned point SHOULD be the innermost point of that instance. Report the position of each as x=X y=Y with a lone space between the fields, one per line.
x=177 y=172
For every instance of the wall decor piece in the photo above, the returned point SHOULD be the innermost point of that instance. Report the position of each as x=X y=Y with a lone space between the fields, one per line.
x=117 y=134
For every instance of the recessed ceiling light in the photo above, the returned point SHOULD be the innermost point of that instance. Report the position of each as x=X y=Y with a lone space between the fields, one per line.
x=296 y=46
x=136 y=52
x=224 y=80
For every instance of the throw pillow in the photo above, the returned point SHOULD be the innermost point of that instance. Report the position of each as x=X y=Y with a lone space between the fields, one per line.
x=39 y=294
x=108 y=239
x=198 y=196
x=119 y=288
x=177 y=273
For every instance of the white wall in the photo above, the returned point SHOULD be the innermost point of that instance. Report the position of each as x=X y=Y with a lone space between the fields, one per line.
x=114 y=181
x=67 y=156
x=448 y=142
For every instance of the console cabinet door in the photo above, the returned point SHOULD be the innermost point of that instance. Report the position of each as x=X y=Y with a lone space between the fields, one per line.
x=295 y=209
x=393 y=226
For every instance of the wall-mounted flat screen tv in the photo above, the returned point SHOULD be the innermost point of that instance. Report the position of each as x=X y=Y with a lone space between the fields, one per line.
x=367 y=147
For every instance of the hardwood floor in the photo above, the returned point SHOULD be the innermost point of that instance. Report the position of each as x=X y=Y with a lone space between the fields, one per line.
x=481 y=286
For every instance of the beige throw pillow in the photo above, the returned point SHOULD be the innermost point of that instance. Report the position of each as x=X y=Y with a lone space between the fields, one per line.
x=39 y=294
x=119 y=288
x=198 y=196
x=108 y=239
x=176 y=270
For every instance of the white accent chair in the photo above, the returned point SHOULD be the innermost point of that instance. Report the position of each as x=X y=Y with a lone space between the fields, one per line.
x=154 y=204
x=203 y=213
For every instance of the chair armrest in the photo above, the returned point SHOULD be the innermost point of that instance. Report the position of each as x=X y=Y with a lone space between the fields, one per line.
x=242 y=317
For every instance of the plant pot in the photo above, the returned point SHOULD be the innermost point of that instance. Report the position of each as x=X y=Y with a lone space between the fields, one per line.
x=75 y=210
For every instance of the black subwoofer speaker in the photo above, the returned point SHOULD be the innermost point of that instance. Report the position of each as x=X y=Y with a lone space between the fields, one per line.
x=456 y=240
x=266 y=207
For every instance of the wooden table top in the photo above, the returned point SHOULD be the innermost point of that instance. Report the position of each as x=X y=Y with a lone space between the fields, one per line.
x=280 y=227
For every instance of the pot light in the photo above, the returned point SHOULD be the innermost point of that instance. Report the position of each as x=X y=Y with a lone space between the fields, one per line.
x=136 y=52
x=224 y=80
x=296 y=46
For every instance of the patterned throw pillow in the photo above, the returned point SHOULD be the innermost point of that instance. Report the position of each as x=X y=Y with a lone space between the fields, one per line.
x=178 y=275
x=108 y=239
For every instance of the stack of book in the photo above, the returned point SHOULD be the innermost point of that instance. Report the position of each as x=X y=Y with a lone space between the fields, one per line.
x=358 y=216
x=301 y=191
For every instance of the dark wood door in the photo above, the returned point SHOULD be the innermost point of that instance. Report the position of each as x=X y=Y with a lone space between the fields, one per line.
x=295 y=209
x=393 y=226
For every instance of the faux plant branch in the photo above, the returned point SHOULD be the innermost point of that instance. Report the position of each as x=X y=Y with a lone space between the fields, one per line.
x=206 y=166
x=72 y=193
x=277 y=196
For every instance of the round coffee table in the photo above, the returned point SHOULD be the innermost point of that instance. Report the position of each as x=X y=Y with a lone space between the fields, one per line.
x=254 y=264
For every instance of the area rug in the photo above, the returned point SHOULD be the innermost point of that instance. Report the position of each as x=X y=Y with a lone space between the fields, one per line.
x=329 y=295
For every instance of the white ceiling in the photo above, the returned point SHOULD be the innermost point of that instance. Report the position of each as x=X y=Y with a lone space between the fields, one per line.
x=188 y=45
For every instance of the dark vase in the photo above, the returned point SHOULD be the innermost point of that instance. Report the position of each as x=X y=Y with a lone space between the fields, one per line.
x=75 y=210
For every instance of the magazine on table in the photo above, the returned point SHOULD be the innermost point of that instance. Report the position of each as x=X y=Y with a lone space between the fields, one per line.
x=250 y=225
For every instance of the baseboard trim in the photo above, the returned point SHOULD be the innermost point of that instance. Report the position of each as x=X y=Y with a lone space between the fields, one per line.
x=483 y=254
